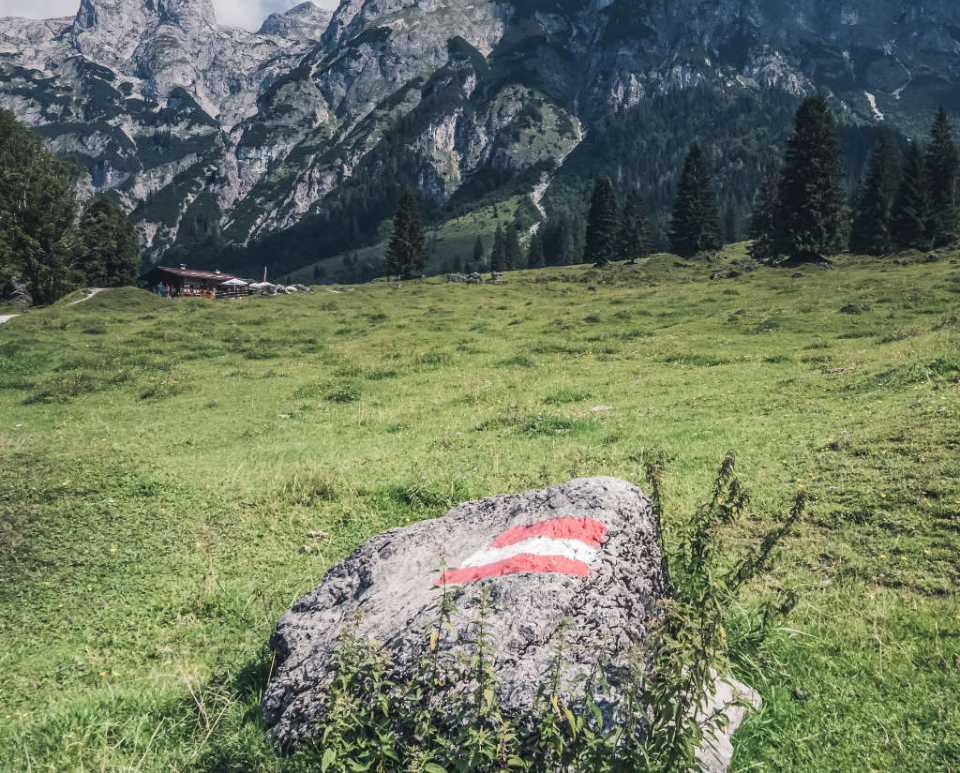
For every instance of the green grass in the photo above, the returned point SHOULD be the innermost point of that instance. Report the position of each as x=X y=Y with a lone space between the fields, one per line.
x=174 y=474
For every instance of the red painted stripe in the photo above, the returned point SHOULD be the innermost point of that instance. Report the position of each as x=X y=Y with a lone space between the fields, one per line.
x=583 y=529
x=525 y=563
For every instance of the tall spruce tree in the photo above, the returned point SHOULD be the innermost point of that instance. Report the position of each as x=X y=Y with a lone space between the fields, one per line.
x=407 y=249
x=37 y=214
x=479 y=253
x=731 y=228
x=910 y=208
x=695 y=227
x=108 y=253
x=535 y=256
x=555 y=237
x=562 y=238
x=872 y=224
x=567 y=241
x=943 y=164
x=498 y=256
x=811 y=202
x=602 y=224
x=632 y=237
x=763 y=221
x=511 y=247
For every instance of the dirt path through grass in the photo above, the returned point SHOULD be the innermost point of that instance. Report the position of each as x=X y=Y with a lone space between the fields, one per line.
x=92 y=292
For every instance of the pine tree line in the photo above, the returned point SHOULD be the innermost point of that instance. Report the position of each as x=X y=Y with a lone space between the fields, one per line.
x=43 y=245
x=905 y=201
x=801 y=210
x=615 y=232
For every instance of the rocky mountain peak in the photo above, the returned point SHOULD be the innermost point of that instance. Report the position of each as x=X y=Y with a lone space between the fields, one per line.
x=109 y=31
x=131 y=15
x=302 y=22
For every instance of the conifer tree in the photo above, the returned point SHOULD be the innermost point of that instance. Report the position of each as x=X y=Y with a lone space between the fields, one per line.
x=576 y=239
x=562 y=240
x=566 y=242
x=730 y=227
x=602 y=224
x=632 y=238
x=695 y=227
x=535 y=256
x=811 y=205
x=555 y=240
x=943 y=164
x=763 y=221
x=407 y=249
x=511 y=247
x=479 y=252
x=910 y=209
x=108 y=253
x=498 y=254
x=871 y=233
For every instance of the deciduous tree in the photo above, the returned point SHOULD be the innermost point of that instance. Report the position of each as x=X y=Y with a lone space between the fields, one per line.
x=37 y=213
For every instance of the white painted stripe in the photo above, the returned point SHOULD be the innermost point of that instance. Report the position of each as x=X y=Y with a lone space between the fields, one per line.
x=536 y=546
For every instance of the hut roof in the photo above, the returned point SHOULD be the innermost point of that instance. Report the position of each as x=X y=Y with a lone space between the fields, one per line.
x=189 y=273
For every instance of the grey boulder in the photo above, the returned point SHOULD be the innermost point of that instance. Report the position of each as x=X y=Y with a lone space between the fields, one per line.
x=579 y=561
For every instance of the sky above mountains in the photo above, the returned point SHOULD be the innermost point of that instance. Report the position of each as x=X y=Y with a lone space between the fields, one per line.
x=235 y=13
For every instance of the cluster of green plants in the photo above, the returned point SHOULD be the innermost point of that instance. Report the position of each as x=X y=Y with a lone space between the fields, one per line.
x=445 y=713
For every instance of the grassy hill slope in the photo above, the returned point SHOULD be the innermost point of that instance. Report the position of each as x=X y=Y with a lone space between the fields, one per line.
x=174 y=474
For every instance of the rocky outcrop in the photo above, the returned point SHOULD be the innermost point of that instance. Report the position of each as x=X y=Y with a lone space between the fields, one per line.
x=575 y=568
x=304 y=22
x=579 y=560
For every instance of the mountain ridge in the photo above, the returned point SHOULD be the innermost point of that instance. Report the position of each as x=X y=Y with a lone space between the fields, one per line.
x=292 y=143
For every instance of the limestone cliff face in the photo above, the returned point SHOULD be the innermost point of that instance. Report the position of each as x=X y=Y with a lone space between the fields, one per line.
x=218 y=135
x=145 y=93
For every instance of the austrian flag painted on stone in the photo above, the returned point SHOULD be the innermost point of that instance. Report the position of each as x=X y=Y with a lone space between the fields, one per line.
x=559 y=546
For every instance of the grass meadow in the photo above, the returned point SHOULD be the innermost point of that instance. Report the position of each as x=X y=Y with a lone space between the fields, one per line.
x=174 y=474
